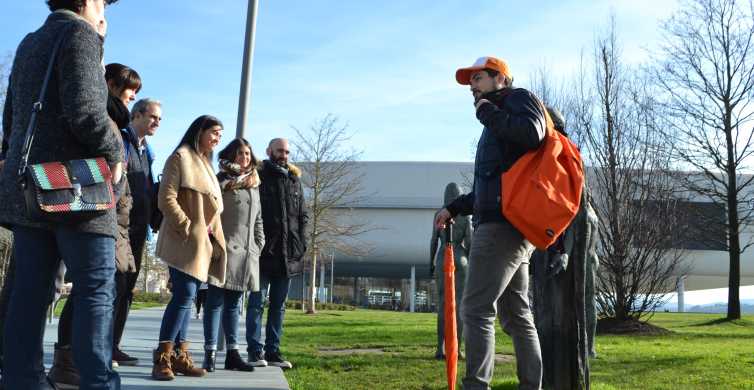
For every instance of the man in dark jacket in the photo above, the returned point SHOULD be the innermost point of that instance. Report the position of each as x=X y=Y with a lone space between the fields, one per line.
x=284 y=215
x=146 y=115
x=72 y=125
x=497 y=282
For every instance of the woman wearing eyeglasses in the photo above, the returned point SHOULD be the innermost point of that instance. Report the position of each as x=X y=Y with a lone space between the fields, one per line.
x=191 y=240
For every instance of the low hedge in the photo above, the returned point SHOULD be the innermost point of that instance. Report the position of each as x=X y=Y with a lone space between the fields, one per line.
x=291 y=304
x=141 y=296
x=321 y=306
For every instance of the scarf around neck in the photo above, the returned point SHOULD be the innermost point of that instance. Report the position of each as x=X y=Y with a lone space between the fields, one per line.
x=232 y=177
x=118 y=112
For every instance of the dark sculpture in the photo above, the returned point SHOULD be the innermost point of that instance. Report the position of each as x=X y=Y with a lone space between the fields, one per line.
x=462 y=232
x=592 y=265
x=563 y=300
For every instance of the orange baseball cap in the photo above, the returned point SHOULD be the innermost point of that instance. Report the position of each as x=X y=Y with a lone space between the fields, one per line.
x=463 y=75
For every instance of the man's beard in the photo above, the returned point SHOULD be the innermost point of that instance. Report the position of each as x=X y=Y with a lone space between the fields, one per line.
x=280 y=161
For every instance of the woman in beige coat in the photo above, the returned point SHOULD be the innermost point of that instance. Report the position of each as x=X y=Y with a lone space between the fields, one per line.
x=244 y=232
x=191 y=239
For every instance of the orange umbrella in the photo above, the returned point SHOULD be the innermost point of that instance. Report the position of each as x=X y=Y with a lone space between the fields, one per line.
x=451 y=333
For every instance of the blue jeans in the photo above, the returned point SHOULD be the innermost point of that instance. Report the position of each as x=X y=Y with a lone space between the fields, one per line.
x=175 y=320
x=90 y=259
x=229 y=303
x=278 y=289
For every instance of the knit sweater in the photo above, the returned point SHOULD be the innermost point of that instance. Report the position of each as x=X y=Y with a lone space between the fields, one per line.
x=73 y=123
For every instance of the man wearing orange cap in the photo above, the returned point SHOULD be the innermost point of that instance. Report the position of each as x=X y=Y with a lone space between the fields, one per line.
x=498 y=275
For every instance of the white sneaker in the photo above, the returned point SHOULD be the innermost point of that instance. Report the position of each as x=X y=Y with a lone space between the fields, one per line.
x=277 y=360
x=256 y=359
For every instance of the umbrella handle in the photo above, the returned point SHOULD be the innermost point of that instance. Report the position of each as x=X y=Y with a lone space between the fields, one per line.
x=448 y=233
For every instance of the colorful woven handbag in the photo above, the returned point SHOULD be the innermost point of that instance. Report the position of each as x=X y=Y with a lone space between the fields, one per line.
x=63 y=191
x=58 y=190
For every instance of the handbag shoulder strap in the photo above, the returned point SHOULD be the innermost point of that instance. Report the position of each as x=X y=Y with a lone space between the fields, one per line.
x=38 y=106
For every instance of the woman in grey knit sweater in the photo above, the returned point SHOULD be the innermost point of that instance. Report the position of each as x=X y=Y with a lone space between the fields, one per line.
x=72 y=125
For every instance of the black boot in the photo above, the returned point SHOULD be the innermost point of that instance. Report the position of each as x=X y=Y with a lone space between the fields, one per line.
x=209 y=361
x=233 y=361
x=64 y=373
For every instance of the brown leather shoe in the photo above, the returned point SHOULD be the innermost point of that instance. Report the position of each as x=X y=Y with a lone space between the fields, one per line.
x=184 y=364
x=162 y=370
x=63 y=372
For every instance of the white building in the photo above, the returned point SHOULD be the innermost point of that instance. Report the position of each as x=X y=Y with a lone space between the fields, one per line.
x=402 y=197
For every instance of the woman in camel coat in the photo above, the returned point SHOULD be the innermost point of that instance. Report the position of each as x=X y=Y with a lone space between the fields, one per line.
x=191 y=239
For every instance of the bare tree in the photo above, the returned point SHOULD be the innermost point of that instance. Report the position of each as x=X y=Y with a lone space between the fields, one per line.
x=5 y=65
x=152 y=268
x=706 y=74
x=559 y=94
x=333 y=186
x=633 y=188
x=6 y=237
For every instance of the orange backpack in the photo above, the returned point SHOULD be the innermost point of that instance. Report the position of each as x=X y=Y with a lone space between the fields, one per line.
x=541 y=192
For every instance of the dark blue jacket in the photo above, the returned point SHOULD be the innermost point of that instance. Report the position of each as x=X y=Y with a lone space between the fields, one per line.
x=513 y=125
x=140 y=179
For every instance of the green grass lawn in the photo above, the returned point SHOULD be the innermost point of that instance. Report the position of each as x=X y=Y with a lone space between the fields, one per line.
x=702 y=353
x=134 y=306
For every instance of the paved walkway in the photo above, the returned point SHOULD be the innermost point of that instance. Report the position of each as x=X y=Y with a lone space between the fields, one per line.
x=140 y=338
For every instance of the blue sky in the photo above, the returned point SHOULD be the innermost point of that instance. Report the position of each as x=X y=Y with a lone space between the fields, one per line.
x=386 y=68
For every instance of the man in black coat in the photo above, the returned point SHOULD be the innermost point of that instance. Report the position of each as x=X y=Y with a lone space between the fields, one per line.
x=285 y=217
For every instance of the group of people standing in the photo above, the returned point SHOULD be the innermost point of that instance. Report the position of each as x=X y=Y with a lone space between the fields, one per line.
x=240 y=230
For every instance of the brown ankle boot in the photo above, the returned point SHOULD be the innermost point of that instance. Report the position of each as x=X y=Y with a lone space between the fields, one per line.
x=183 y=364
x=63 y=373
x=162 y=370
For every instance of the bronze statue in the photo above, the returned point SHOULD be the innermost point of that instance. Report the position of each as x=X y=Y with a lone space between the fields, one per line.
x=562 y=303
x=592 y=265
x=563 y=296
x=462 y=232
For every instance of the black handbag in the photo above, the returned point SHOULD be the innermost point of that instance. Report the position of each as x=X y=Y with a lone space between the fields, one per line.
x=63 y=191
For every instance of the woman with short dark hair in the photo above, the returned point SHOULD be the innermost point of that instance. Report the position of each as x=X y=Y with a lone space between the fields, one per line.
x=244 y=233
x=122 y=82
x=191 y=240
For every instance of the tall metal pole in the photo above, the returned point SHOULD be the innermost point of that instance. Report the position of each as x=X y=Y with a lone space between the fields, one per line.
x=332 y=277
x=322 y=282
x=248 y=62
x=681 y=290
x=303 y=290
x=412 y=298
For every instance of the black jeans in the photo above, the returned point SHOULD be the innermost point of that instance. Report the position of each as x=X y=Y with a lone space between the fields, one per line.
x=65 y=324
x=125 y=283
